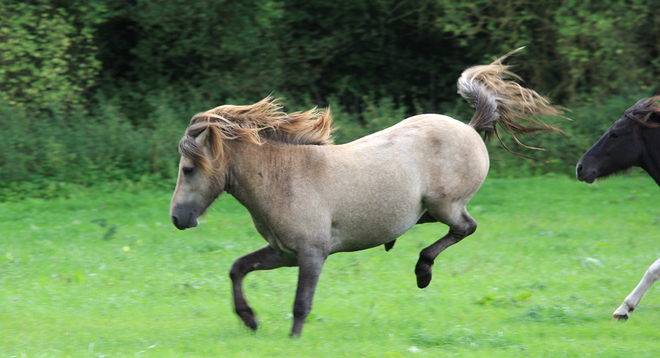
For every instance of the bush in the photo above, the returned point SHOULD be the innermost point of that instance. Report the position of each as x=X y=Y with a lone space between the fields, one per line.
x=56 y=150
x=44 y=154
x=47 y=55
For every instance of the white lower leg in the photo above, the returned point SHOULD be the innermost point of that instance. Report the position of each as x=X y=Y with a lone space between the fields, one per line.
x=650 y=277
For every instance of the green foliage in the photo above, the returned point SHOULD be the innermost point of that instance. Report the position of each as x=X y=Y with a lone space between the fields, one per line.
x=222 y=50
x=577 y=50
x=94 y=91
x=379 y=113
x=237 y=50
x=43 y=159
x=605 y=46
x=47 y=58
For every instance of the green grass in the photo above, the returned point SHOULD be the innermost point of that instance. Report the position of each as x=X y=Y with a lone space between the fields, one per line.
x=104 y=273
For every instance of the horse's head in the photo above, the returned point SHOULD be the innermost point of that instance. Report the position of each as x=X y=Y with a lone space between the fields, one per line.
x=624 y=144
x=202 y=170
x=201 y=175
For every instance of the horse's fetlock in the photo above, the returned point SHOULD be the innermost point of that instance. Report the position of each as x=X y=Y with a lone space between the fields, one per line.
x=244 y=311
x=426 y=258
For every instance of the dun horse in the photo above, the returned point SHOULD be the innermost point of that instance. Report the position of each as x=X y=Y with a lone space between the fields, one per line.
x=632 y=141
x=309 y=198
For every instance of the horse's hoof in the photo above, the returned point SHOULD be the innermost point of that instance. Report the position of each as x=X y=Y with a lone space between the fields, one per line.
x=250 y=323
x=620 y=318
x=247 y=316
x=423 y=281
x=423 y=273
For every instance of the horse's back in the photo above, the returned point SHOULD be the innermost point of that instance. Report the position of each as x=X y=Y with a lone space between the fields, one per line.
x=434 y=144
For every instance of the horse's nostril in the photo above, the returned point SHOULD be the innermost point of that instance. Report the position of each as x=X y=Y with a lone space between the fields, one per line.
x=175 y=221
x=579 y=168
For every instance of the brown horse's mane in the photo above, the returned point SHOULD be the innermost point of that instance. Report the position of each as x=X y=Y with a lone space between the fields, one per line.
x=642 y=112
x=254 y=124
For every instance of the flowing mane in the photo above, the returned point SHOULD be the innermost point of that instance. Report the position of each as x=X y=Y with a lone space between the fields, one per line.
x=643 y=110
x=255 y=124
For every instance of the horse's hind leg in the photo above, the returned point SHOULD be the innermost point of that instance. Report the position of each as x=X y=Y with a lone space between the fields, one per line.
x=265 y=258
x=460 y=228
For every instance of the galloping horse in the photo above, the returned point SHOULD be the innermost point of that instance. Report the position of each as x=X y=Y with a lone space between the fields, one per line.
x=632 y=141
x=310 y=199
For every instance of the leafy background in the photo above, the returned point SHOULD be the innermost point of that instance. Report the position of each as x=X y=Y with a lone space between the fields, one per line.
x=102 y=90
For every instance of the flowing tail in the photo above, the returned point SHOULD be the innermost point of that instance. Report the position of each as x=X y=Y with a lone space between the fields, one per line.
x=498 y=100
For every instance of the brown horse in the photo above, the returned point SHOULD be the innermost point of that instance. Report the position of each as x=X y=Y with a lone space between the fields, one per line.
x=310 y=199
x=632 y=141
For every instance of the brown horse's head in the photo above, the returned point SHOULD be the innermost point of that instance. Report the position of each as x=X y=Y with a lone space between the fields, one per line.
x=630 y=142
x=203 y=169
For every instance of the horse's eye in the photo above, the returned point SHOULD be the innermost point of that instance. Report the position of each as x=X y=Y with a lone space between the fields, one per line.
x=615 y=135
x=187 y=170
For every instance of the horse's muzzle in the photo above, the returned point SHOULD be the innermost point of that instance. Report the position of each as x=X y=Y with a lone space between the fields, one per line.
x=585 y=172
x=187 y=221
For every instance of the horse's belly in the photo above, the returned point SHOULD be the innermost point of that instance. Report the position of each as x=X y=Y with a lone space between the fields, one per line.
x=354 y=235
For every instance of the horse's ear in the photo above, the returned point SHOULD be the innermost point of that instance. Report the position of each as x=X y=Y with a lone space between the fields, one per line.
x=655 y=116
x=653 y=106
x=203 y=137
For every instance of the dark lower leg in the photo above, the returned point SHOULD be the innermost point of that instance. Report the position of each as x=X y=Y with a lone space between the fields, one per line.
x=265 y=258
x=423 y=269
x=308 y=277
x=457 y=232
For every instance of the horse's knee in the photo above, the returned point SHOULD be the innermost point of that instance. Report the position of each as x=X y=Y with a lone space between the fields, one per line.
x=466 y=228
x=237 y=271
x=471 y=227
x=234 y=273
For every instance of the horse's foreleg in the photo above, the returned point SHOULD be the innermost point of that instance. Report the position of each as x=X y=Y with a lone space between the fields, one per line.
x=651 y=276
x=310 y=264
x=265 y=258
x=457 y=232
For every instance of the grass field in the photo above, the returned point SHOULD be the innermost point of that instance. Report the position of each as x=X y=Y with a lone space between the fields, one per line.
x=105 y=274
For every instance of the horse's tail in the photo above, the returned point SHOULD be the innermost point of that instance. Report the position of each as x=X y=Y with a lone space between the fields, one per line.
x=500 y=100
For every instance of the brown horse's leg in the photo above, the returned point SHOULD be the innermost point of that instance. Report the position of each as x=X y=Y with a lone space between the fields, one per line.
x=457 y=232
x=310 y=264
x=265 y=258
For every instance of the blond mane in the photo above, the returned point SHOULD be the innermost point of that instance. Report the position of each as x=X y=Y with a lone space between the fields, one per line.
x=254 y=124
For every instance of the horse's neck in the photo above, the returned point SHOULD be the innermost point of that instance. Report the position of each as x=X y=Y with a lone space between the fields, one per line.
x=651 y=159
x=652 y=167
x=258 y=175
